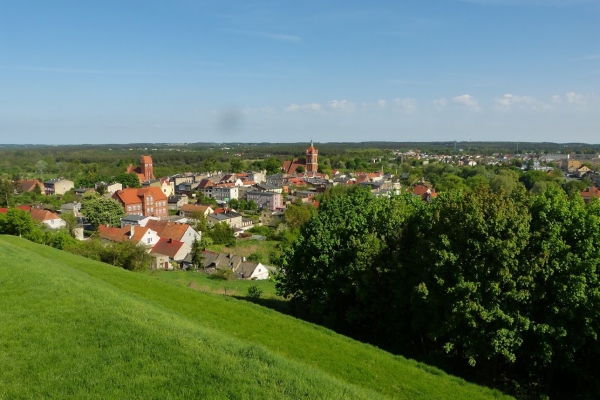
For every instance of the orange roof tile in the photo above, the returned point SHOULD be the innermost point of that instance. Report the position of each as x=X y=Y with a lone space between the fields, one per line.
x=42 y=215
x=167 y=247
x=168 y=230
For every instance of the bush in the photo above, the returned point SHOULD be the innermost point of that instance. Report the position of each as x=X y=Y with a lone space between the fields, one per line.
x=254 y=292
x=222 y=275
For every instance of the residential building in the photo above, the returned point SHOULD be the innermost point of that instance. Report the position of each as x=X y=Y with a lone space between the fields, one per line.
x=148 y=201
x=48 y=218
x=188 y=210
x=136 y=220
x=424 y=193
x=176 y=202
x=225 y=192
x=174 y=249
x=590 y=193
x=139 y=235
x=266 y=200
x=231 y=218
x=58 y=186
x=241 y=268
x=109 y=187
x=172 y=230
x=272 y=218
x=30 y=186
x=167 y=187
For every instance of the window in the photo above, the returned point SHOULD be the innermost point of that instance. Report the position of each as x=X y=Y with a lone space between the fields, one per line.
x=149 y=240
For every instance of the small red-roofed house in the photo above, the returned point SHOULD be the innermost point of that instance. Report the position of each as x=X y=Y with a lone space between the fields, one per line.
x=137 y=234
x=590 y=193
x=171 y=230
x=30 y=185
x=174 y=249
x=424 y=193
x=48 y=218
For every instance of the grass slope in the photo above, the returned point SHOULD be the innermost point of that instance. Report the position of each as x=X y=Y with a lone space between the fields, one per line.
x=72 y=327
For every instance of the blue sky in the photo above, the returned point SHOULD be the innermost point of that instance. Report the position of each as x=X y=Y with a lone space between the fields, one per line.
x=252 y=71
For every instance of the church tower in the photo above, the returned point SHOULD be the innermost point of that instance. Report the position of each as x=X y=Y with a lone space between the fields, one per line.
x=311 y=159
x=147 y=170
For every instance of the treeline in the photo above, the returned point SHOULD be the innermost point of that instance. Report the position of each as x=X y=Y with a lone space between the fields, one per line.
x=501 y=289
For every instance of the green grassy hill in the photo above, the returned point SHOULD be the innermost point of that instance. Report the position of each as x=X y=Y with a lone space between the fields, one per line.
x=72 y=327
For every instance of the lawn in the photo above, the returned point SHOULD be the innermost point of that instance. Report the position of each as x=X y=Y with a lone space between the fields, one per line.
x=73 y=327
x=245 y=247
x=203 y=282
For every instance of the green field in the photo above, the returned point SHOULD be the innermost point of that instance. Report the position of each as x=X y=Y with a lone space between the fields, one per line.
x=202 y=282
x=76 y=328
x=245 y=247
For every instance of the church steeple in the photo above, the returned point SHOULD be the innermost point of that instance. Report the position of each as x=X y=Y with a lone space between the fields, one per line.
x=311 y=158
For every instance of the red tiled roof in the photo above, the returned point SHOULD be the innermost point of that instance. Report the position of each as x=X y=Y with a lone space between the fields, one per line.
x=195 y=207
x=590 y=192
x=42 y=215
x=419 y=190
x=24 y=208
x=134 y=196
x=121 y=234
x=146 y=159
x=168 y=230
x=167 y=247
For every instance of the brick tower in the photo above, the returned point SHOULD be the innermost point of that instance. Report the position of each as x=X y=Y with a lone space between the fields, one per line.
x=311 y=159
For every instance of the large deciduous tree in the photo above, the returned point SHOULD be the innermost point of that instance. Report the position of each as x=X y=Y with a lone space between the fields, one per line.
x=101 y=211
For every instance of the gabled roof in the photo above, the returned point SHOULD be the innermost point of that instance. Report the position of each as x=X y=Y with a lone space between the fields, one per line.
x=122 y=234
x=590 y=192
x=168 y=247
x=146 y=159
x=29 y=185
x=420 y=190
x=195 y=207
x=168 y=230
x=205 y=183
x=42 y=215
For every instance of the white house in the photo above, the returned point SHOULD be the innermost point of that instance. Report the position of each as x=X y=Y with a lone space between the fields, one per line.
x=48 y=218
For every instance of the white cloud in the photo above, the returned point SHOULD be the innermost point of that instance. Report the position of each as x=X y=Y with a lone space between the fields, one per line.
x=298 y=107
x=406 y=105
x=576 y=98
x=468 y=101
x=508 y=101
x=381 y=103
x=440 y=102
x=343 y=105
x=556 y=99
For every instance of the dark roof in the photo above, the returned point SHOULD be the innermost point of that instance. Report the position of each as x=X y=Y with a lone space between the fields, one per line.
x=135 y=218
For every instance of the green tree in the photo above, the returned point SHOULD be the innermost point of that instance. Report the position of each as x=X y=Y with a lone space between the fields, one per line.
x=297 y=214
x=101 y=211
x=252 y=206
x=272 y=165
x=197 y=255
x=237 y=165
x=6 y=192
x=222 y=233
x=300 y=169
x=234 y=203
x=128 y=180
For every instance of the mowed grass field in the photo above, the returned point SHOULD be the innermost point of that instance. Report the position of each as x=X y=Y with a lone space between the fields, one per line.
x=197 y=280
x=76 y=328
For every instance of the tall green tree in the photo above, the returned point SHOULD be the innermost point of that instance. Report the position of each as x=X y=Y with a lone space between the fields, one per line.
x=101 y=211
x=197 y=255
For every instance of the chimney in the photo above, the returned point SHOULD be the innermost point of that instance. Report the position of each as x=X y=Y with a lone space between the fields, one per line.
x=132 y=230
x=170 y=240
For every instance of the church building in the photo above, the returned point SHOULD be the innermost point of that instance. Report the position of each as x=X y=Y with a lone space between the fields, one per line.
x=310 y=164
x=145 y=171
